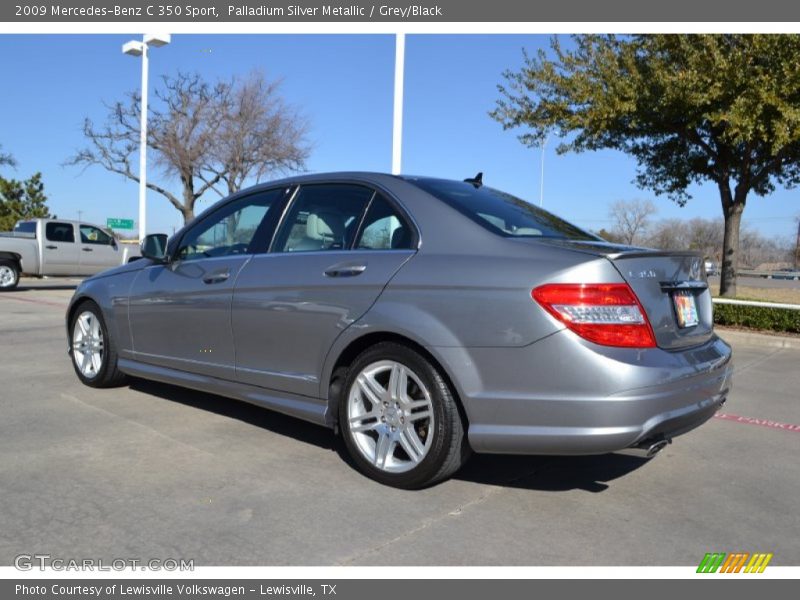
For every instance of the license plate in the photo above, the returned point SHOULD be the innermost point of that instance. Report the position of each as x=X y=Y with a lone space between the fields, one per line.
x=685 y=309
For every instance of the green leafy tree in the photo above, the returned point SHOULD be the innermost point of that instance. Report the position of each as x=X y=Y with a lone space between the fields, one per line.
x=22 y=200
x=7 y=159
x=723 y=109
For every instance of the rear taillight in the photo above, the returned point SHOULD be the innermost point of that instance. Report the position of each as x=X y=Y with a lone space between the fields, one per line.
x=603 y=313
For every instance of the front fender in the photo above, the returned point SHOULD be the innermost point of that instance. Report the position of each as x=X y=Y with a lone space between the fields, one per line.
x=110 y=293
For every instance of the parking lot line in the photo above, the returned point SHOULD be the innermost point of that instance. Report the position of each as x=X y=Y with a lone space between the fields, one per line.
x=36 y=301
x=756 y=421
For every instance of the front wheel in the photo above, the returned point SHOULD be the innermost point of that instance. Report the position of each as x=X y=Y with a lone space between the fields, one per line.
x=93 y=351
x=9 y=275
x=399 y=418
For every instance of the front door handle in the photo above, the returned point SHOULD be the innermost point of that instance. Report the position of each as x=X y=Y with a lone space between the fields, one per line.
x=345 y=270
x=52 y=247
x=87 y=249
x=217 y=277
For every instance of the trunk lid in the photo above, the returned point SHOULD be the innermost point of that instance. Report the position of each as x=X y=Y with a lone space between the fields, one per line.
x=657 y=278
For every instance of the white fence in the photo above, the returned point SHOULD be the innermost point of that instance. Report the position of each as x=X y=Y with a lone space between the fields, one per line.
x=755 y=303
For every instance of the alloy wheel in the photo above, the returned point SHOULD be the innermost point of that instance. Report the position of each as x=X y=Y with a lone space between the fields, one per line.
x=390 y=416
x=87 y=344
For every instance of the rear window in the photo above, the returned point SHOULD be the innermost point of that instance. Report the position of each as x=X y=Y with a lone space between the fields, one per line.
x=25 y=227
x=500 y=212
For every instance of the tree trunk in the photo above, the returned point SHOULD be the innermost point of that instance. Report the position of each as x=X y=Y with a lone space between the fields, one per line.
x=189 y=198
x=732 y=209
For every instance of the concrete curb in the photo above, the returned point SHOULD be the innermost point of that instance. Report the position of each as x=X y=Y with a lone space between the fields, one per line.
x=764 y=339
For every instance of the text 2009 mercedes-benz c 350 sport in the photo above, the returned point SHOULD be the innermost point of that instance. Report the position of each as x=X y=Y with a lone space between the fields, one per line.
x=422 y=318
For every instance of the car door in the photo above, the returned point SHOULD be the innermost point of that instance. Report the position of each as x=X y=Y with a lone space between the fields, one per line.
x=59 y=250
x=98 y=250
x=290 y=305
x=180 y=311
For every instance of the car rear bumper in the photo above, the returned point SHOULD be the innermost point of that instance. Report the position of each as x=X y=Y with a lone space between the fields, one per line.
x=591 y=400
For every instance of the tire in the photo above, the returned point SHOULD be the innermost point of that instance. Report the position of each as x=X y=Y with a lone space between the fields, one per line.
x=399 y=418
x=9 y=274
x=96 y=365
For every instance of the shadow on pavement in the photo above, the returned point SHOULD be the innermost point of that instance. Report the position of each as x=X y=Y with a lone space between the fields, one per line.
x=241 y=411
x=550 y=473
x=542 y=473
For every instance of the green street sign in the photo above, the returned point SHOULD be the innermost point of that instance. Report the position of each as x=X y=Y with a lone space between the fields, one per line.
x=119 y=223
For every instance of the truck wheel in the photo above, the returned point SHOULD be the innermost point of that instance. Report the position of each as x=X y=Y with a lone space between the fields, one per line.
x=9 y=275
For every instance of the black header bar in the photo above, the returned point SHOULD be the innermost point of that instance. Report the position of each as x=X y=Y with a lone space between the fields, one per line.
x=397 y=11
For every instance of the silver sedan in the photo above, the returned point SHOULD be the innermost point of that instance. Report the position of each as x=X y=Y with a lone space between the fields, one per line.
x=422 y=319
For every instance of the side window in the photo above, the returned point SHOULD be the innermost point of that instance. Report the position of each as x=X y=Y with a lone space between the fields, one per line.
x=59 y=232
x=323 y=217
x=25 y=227
x=229 y=231
x=93 y=235
x=384 y=228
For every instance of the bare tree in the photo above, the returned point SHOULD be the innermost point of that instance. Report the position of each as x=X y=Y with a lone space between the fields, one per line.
x=668 y=234
x=259 y=135
x=203 y=135
x=631 y=219
x=706 y=236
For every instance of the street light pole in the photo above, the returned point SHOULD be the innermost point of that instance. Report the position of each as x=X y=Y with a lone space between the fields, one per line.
x=136 y=48
x=541 y=176
x=397 y=129
x=143 y=149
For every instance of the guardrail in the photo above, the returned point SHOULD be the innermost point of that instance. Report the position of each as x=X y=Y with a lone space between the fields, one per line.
x=770 y=274
x=755 y=303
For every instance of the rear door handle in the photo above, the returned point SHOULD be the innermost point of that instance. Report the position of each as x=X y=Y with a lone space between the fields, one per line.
x=52 y=247
x=87 y=249
x=345 y=270
x=217 y=277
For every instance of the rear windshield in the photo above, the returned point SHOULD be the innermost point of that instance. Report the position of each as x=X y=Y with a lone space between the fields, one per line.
x=500 y=212
x=25 y=227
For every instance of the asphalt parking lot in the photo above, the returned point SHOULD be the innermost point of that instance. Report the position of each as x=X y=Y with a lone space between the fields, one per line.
x=153 y=471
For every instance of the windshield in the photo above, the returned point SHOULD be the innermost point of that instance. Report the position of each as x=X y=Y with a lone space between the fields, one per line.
x=500 y=212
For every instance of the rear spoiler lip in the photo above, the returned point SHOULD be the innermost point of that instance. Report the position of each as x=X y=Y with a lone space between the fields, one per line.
x=654 y=253
x=601 y=249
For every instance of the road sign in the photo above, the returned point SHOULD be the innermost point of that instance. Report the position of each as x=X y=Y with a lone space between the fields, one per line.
x=119 y=223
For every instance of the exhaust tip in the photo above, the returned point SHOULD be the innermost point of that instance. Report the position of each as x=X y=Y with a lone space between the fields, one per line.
x=654 y=449
x=648 y=448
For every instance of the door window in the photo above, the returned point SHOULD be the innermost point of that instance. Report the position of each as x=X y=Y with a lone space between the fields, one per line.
x=232 y=230
x=384 y=228
x=59 y=232
x=93 y=235
x=323 y=217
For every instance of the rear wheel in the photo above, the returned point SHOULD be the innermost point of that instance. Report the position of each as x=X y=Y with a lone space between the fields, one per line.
x=399 y=418
x=9 y=274
x=93 y=351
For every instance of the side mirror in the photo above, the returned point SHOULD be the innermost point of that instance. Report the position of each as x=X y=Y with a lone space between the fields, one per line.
x=154 y=247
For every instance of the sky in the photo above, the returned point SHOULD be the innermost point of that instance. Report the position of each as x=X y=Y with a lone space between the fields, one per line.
x=343 y=85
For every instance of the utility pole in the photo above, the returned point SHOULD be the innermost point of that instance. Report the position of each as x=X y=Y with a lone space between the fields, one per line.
x=541 y=177
x=797 y=247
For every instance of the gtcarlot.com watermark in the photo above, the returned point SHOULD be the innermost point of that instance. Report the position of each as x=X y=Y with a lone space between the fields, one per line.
x=42 y=562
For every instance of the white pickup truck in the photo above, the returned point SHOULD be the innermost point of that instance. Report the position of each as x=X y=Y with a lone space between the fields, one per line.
x=56 y=247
